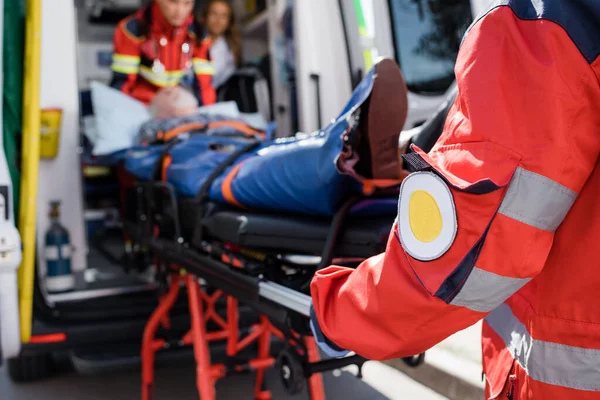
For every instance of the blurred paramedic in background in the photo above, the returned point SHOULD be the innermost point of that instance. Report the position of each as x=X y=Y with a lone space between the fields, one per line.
x=225 y=52
x=162 y=47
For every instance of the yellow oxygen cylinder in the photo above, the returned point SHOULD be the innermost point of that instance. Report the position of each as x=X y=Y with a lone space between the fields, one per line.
x=30 y=162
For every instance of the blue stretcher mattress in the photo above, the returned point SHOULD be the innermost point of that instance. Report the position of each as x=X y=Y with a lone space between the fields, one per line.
x=292 y=175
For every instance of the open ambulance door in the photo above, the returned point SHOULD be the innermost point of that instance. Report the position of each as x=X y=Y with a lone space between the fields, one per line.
x=415 y=34
x=10 y=259
x=322 y=70
x=10 y=247
x=305 y=44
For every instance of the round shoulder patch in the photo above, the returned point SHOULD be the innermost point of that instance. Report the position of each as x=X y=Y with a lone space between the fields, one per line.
x=426 y=216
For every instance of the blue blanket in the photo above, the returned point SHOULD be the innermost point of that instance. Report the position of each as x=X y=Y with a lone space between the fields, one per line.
x=298 y=175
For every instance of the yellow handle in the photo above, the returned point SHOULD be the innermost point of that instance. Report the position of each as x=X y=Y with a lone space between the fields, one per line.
x=30 y=163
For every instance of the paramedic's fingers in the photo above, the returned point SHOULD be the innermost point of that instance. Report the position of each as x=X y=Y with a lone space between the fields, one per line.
x=326 y=345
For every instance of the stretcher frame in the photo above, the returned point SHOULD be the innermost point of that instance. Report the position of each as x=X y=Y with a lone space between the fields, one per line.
x=283 y=312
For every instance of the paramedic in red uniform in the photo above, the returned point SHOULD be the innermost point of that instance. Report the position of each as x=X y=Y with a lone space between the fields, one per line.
x=500 y=221
x=162 y=47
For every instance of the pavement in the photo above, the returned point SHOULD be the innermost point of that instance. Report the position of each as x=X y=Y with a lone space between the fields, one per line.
x=453 y=367
x=452 y=370
x=380 y=382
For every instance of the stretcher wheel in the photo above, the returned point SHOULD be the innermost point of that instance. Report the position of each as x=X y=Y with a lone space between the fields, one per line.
x=291 y=373
x=414 y=361
x=30 y=368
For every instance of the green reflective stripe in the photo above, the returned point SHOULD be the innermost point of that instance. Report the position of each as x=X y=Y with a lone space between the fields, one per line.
x=360 y=18
x=204 y=70
x=536 y=200
x=124 y=58
x=202 y=66
x=365 y=33
x=125 y=69
x=125 y=64
x=552 y=363
x=161 y=79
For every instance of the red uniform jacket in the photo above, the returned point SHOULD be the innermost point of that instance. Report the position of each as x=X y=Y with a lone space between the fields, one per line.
x=150 y=54
x=501 y=221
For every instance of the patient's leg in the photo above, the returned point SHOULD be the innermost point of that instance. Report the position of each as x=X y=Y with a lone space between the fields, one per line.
x=382 y=118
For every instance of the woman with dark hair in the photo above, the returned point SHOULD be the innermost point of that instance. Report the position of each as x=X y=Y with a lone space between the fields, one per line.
x=225 y=51
x=163 y=48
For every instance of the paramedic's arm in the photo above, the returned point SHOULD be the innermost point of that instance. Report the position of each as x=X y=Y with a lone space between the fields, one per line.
x=203 y=74
x=126 y=56
x=518 y=146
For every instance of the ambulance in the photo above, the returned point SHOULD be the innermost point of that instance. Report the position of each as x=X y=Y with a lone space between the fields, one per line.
x=306 y=55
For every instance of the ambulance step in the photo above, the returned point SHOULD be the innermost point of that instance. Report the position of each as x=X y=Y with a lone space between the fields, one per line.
x=123 y=357
x=110 y=359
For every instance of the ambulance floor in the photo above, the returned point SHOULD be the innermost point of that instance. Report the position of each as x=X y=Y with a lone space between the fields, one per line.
x=104 y=276
x=177 y=382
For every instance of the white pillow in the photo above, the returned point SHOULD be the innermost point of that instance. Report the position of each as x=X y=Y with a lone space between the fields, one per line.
x=89 y=128
x=255 y=120
x=225 y=109
x=118 y=119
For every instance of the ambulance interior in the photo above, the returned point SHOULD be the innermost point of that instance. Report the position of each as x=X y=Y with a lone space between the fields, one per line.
x=309 y=69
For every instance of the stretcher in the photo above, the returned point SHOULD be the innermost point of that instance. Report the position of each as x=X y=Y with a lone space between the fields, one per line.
x=222 y=254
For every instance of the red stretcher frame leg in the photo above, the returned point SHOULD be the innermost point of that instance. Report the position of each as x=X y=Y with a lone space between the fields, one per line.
x=316 y=389
x=204 y=378
x=150 y=345
x=202 y=310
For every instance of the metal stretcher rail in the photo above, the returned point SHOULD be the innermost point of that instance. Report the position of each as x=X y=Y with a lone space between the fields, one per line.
x=244 y=288
x=285 y=297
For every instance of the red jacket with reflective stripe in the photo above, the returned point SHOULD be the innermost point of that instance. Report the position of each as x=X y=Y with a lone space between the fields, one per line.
x=502 y=220
x=146 y=59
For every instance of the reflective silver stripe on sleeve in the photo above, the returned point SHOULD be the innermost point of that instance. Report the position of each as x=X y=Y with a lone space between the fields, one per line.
x=483 y=291
x=533 y=200
x=552 y=363
x=536 y=200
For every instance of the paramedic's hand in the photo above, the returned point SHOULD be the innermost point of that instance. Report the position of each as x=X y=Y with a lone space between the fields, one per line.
x=327 y=346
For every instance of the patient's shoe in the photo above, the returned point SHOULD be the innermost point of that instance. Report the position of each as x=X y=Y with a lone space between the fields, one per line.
x=371 y=149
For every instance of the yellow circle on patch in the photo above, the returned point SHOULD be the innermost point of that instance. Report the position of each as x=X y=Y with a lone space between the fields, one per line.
x=426 y=216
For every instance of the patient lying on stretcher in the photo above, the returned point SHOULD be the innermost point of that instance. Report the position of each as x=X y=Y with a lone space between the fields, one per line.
x=308 y=174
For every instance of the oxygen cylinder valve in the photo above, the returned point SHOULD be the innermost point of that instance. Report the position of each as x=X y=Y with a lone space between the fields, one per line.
x=58 y=249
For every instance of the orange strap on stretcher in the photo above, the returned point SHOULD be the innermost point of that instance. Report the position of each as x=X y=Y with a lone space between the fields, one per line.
x=226 y=187
x=240 y=126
